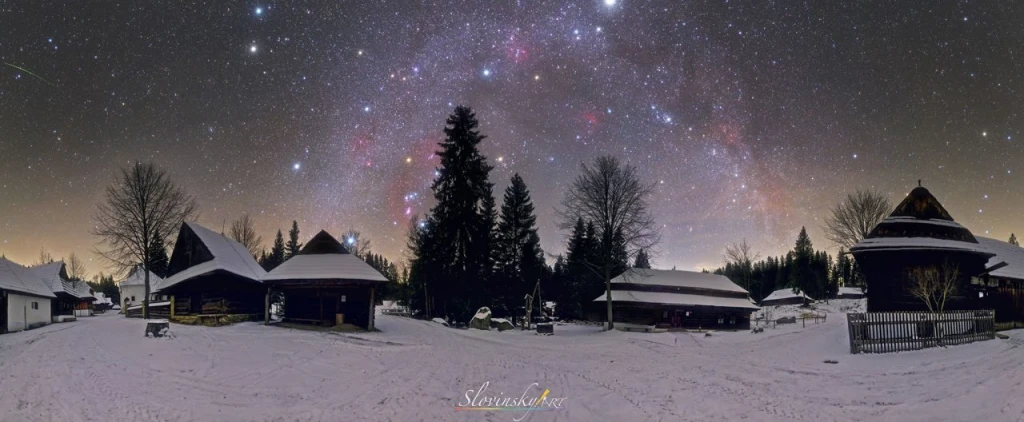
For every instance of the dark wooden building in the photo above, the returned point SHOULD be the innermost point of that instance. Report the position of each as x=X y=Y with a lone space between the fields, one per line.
x=74 y=298
x=326 y=285
x=919 y=233
x=676 y=300
x=786 y=297
x=211 y=275
x=1001 y=287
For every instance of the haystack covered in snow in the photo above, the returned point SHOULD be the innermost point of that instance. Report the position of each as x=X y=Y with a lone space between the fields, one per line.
x=326 y=285
x=25 y=299
x=482 y=319
x=210 y=274
x=74 y=298
x=677 y=299
x=786 y=297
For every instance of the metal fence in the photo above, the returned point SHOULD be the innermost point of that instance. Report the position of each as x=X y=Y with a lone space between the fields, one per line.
x=886 y=332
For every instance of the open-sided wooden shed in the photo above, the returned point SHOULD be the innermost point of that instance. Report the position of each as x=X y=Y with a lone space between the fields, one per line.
x=326 y=285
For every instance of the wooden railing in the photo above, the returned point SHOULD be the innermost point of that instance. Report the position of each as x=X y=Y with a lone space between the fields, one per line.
x=886 y=332
x=160 y=310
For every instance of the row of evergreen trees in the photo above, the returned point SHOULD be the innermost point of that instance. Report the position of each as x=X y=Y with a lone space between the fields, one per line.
x=465 y=252
x=813 y=272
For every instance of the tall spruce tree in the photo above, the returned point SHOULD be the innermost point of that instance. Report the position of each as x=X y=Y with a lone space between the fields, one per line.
x=519 y=260
x=642 y=260
x=277 y=254
x=802 y=276
x=158 y=259
x=293 y=246
x=451 y=251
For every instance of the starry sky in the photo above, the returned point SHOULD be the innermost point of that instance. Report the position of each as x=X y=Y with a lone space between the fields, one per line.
x=753 y=117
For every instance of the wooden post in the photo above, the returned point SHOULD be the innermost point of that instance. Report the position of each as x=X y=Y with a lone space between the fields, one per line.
x=321 y=301
x=172 y=306
x=266 y=308
x=369 y=327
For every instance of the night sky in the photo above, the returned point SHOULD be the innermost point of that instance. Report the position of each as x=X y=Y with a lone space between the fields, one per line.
x=753 y=117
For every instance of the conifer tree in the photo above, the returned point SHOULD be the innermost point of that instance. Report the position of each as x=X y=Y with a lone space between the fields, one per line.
x=451 y=249
x=519 y=260
x=1013 y=240
x=158 y=259
x=293 y=246
x=802 y=276
x=642 y=260
x=277 y=253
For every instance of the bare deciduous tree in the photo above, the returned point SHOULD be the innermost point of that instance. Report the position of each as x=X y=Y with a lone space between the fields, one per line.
x=75 y=267
x=44 y=257
x=934 y=285
x=742 y=256
x=140 y=205
x=357 y=245
x=853 y=219
x=612 y=197
x=243 y=230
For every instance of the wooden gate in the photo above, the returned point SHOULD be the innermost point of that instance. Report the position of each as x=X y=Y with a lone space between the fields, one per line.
x=885 y=332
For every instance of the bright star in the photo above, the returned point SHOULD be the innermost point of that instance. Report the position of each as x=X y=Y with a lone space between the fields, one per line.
x=296 y=166
x=259 y=11
x=252 y=48
x=366 y=109
x=487 y=72
x=610 y=3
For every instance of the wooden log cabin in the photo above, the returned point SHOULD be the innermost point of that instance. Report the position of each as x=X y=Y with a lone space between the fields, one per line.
x=676 y=300
x=920 y=234
x=212 y=276
x=326 y=285
x=74 y=298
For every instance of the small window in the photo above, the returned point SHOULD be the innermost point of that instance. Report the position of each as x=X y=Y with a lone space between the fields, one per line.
x=721 y=320
x=133 y=298
x=35 y=305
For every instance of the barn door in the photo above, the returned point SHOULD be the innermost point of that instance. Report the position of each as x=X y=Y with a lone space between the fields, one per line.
x=3 y=312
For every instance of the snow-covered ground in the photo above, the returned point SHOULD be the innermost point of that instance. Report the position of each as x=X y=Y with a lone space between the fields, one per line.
x=102 y=368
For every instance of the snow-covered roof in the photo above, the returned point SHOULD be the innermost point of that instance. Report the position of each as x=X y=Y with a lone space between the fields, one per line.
x=851 y=291
x=51 y=275
x=666 y=298
x=324 y=258
x=676 y=278
x=16 y=278
x=324 y=267
x=228 y=255
x=783 y=294
x=916 y=243
x=102 y=298
x=137 y=278
x=1012 y=255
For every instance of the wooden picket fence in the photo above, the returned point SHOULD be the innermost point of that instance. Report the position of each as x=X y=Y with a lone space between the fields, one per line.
x=886 y=332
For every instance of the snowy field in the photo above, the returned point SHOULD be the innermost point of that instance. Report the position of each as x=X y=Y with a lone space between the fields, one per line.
x=102 y=369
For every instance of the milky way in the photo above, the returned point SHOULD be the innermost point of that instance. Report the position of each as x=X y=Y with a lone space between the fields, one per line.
x=753 y=118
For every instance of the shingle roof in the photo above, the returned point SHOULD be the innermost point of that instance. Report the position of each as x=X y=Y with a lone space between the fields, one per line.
x=16 y=278
x=676 y=278
x=324 y=258
x=667 y=298
x=50 y=273
x=1012 y=255
x=137 y=278
x=228 y=255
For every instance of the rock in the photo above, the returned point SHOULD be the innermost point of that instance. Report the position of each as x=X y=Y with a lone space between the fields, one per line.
x=757 y=330
x=440 y=321
x=786 y=320
x=832 y=361
x=501 y=324
x=482 y=319
x=707 y=334
x=1002 y=336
